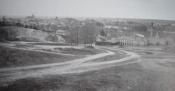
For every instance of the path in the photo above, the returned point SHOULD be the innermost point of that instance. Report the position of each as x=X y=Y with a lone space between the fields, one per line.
x=74 y=66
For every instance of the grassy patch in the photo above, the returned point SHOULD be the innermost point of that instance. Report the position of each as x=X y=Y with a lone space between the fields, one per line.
x=130 y=77
x=84 y=51
x=69 y=50
x=54 y=44
x=121 y=78
x=10 y=57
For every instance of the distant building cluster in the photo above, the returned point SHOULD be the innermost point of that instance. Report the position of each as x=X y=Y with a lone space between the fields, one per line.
x=123 y=32
x=116 y=35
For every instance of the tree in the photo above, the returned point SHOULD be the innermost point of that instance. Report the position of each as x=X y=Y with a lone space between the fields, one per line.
x=74 y=35
x=89 y=32
x=73 y=26
x=149 y=43
x=4 y=20
x=103 y=33
x=83 y=32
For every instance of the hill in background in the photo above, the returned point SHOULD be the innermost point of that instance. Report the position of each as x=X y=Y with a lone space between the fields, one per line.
x=82 y=30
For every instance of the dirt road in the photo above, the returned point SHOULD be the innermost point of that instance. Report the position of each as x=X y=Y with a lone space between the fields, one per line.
x=74 y=66
x=155 y=72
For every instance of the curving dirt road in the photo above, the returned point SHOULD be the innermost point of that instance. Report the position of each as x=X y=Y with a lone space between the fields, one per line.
x=74 y=66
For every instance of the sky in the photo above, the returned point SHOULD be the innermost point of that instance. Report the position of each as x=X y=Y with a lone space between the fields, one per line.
x=148 y=9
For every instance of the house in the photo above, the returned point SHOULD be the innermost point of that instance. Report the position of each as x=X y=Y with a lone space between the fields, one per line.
x=134 y=40
x=61 y=32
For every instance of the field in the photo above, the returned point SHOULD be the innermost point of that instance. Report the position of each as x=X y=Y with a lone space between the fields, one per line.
x=155 y=72
x=61 y=55
x=104 y=80
x=14 y=57
x=19 y=56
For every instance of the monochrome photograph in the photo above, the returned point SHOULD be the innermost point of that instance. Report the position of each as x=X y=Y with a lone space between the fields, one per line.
x=87 y=45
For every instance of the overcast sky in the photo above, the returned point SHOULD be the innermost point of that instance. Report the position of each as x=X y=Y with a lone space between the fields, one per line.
x=152 y=9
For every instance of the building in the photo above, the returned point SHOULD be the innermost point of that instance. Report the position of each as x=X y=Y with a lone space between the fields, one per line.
x=134 y=40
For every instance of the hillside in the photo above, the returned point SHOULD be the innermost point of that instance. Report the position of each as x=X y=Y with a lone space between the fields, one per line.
x=14 y=33
x=82 y=31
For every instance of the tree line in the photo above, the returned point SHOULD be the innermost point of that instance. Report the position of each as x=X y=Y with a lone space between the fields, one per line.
x=79 y=32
